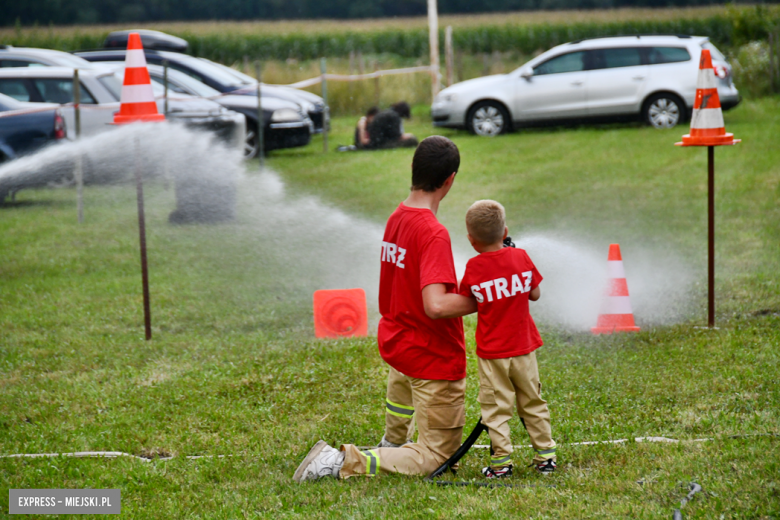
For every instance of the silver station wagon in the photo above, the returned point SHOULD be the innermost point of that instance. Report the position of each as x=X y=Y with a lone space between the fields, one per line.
x=650 y=77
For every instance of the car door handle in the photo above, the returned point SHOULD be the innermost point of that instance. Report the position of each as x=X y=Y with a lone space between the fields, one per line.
x=638 y=78
x=576 y=83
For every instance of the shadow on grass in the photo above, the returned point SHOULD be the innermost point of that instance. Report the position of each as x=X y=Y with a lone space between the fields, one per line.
x=18 y=204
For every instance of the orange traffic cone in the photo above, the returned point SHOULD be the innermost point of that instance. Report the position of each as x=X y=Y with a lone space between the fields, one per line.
x=707 y=126
x=616 y=314
x=137 y=95
x=340 y=313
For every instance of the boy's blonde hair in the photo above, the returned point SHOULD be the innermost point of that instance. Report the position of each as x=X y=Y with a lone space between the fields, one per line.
x=485 y=221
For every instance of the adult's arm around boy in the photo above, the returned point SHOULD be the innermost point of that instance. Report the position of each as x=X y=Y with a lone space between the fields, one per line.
x=438 y=303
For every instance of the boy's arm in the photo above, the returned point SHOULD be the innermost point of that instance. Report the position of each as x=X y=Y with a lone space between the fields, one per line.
x=439 y=303
x=535 y=294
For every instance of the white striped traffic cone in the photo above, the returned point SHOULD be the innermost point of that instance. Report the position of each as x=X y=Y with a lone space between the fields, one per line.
x=616 y=314
x=707 y=126
x=137 y=95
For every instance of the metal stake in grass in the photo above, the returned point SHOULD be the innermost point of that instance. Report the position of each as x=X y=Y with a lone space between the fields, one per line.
x=260 y=122
x=79 y=158
x=326 y=110
x=142 y=236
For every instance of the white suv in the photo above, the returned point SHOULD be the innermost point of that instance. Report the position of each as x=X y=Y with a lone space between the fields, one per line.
x=653 y=77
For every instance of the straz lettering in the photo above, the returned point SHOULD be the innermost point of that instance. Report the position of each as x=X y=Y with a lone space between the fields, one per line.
x=502 y=288
x=393 y=254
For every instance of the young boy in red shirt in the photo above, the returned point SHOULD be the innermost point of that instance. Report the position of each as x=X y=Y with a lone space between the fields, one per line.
x=502 y=280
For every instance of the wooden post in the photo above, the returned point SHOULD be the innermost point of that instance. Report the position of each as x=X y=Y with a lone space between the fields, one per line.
x=377 y=93
x=433 y=43
x=351 y=72
x=448 y=54
x=459 y=66
x=142 y=239
x=711 y=236
x=323 y=71
x=79 y=173
x=771 y=61
x=260 y=121
x=165 y=85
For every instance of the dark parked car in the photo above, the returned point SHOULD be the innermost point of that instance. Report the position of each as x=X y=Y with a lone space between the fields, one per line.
x=220 y=78
x=284 y=124
x=25 y=129
x=153 y=40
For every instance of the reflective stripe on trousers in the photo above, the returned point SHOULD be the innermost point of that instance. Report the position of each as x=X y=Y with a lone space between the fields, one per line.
x=372 y=462
x=546 y=454
x=399 y=410
x=502 y=461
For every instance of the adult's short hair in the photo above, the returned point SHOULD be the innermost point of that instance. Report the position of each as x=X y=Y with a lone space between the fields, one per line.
x=435 y=159
x=486 y=221
x=372 y=111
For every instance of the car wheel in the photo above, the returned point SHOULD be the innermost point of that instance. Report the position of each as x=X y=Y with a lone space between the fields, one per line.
x=664 y=110
x=251 y=144
x=488 y=119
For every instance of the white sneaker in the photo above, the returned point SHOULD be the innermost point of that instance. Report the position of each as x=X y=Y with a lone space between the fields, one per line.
x=321 y=461
x=384 y=443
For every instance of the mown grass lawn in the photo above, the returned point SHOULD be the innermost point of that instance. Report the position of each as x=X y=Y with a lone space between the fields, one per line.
x=234 y=370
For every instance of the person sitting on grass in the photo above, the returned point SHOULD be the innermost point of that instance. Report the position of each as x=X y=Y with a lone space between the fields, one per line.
x=382 y=130
x=362 y=139
x=502 y=280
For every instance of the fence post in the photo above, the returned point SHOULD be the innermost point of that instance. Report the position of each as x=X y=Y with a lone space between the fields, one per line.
x=79 y=173
x=326 y=110
x=448 y=54
x=260 y=121
x=166 y=169
x=351 y=72
x=433 y=43
x=771 y=61
x=376 y=85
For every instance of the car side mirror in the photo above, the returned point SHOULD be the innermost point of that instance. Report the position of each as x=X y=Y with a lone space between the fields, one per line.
x=527 y=74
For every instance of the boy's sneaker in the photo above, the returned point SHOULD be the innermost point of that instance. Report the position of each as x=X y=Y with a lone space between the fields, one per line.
x=384 y=443
x=321 y=461
x=502 y=472
x=545 y=467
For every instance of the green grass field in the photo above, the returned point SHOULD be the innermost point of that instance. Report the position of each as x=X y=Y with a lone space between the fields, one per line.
x=234 y=369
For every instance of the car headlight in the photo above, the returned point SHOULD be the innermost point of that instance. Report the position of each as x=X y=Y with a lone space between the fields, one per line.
x=448 y=98
x=285 y=115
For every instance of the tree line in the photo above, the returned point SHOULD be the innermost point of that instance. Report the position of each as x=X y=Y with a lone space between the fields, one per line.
x=59 y=12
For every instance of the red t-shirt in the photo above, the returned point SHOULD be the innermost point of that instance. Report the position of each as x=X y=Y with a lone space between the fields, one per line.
x=416 y=252
x=501 y=282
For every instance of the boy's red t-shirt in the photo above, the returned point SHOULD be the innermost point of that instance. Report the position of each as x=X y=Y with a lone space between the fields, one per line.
x=416 y=252
x=501 y=282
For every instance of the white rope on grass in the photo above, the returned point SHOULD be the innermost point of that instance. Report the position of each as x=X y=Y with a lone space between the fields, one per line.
x=117 y=454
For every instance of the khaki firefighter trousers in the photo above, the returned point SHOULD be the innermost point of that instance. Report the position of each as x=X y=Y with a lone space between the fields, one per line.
x=439 y=409
x=502 y=384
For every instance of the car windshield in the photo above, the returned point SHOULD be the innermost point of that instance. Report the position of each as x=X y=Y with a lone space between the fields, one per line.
x=210 y=70
x=9 y=103
x=246 y=80
x=714 y=52
x=189 y=84
x=112 y=83
x=68 y=60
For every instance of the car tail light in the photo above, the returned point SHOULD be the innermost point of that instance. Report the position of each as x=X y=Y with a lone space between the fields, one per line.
x=59 y=125
x=721 y=71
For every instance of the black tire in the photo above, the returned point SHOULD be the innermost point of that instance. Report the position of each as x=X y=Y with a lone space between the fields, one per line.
x=488 y=119
x=664 y=110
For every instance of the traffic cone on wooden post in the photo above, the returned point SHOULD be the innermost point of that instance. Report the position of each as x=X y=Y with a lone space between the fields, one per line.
x=137 y=99
x=707 y=126
x=616 y=314
x=708 y=129
x=138 y=105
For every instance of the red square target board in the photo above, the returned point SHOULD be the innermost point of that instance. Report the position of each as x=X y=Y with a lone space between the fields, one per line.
x=340 y=313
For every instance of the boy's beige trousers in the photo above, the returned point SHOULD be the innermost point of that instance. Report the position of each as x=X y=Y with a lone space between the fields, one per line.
x=439 y=409
x=502 y=384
